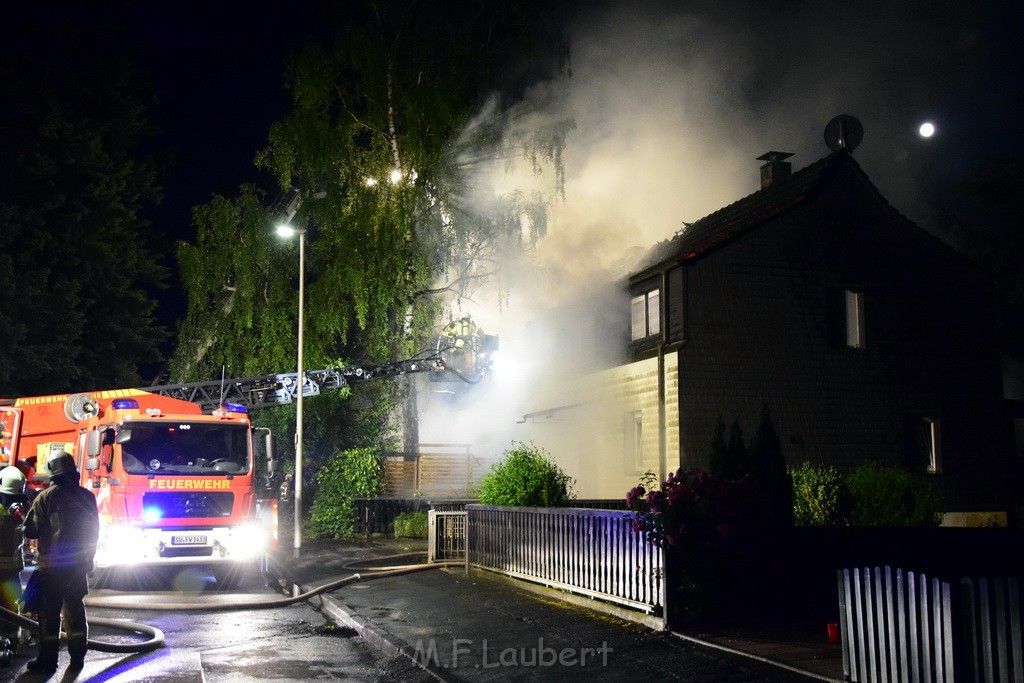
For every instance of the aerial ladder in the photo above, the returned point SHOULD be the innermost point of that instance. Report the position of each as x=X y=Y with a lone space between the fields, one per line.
x=463 y=352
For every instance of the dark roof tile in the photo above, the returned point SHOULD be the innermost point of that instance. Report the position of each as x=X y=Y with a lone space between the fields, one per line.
x=725 y=224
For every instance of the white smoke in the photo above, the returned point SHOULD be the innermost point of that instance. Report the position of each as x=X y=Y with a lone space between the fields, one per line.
x=673 y=102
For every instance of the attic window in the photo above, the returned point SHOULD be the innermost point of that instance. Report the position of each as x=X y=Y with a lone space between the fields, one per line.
x=645 y=311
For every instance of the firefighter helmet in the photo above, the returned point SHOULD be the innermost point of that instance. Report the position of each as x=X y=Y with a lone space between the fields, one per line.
x=12 y=481
x=61 y=463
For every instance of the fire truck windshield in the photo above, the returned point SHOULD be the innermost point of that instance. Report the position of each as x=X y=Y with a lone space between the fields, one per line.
x=184 y=448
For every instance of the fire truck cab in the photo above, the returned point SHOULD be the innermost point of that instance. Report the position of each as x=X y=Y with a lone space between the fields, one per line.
x=172 y=484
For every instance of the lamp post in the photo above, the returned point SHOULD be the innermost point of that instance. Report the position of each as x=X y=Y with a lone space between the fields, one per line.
x=289 y=231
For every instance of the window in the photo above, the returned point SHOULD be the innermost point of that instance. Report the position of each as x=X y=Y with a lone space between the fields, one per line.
x=925 y=444
x=634 y=442
x=645 y=311
x=855 y=319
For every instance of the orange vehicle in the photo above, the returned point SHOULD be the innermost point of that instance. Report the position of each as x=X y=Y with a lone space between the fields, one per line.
x=173 y=467
x=173 y=485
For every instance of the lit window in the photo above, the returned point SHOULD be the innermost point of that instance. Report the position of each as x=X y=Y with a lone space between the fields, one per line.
x=855 y=319
x=926 y=444
x=645 y=313
x=934 y=451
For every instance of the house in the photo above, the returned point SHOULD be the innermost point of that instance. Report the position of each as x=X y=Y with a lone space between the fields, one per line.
x=867 y=338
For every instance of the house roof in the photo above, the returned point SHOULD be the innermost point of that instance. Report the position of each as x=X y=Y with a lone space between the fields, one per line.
x=727 y=223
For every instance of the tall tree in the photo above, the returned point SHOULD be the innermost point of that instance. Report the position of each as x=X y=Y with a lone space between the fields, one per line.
x=392 y=127
x=76 y=272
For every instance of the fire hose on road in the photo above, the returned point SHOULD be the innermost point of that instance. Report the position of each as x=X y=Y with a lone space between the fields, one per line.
x=156 y=636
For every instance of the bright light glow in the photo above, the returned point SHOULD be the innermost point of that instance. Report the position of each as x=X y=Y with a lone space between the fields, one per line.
x=285 y=230
x=245 y=542
x=121 y=545
x=926 y=130
x=371 y=182
x=396 y=175
x=152 y=515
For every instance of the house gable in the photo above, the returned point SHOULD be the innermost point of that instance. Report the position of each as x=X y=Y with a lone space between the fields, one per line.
x=868 y=339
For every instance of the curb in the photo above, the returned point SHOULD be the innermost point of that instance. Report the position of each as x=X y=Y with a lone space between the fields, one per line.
x=377 y=638
x=759 y=658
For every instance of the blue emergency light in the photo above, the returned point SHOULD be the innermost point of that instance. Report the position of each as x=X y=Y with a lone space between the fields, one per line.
x=125 y=404
x=234 y=408
x=152 y=515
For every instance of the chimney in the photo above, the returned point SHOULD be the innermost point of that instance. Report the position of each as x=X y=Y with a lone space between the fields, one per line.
x=775 y=168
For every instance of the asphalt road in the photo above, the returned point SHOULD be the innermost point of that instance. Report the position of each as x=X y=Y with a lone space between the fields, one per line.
x=294 y=643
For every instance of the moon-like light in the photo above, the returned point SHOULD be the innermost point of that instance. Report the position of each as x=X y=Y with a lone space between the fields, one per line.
x=926 y=130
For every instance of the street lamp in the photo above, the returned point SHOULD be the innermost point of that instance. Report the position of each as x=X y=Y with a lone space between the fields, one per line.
x=289 y=231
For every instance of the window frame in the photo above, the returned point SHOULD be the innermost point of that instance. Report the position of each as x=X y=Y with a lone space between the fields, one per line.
x=854 y=315
x=650 y=303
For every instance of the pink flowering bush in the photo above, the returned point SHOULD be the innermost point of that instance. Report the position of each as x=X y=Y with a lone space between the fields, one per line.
x=690 y=506
x=710 y=529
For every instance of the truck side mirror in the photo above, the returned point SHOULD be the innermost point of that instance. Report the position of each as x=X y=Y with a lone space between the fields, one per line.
x=268 y=444
x=92 y=443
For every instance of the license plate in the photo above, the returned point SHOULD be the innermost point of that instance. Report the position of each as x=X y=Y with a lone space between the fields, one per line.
x=188 y=540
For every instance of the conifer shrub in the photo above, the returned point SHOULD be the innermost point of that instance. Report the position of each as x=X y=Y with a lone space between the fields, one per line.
x=527 y=477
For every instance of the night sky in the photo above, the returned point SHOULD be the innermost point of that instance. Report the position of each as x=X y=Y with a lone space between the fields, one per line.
x=673 y=100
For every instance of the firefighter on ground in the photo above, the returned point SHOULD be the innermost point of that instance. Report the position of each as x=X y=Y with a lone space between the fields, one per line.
x=13 y=508
x=65 y=521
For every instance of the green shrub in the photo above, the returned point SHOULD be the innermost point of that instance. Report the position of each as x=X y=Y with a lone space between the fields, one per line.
x=345 y=475
x=411 y=525
x=527 y=477
x=889 y=496
x=818 y=492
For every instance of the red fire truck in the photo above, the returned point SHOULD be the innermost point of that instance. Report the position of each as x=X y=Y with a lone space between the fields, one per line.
x=172 y=484
x=174 y=467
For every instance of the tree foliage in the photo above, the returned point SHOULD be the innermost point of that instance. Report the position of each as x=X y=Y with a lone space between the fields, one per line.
x=389 y=136
x=346 y=475
x=76 y=271
x=390 y=132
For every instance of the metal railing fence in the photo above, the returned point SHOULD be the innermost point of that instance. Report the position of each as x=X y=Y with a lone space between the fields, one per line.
x=589 y=552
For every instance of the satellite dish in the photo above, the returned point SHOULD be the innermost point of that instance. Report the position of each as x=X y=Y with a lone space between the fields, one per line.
x=843 y=132
x=77 y=407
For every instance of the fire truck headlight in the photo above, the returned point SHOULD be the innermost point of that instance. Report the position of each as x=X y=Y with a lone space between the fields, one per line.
x=120 y=545
x=246 y=542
